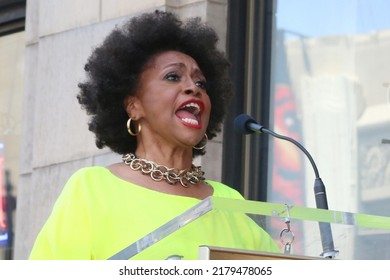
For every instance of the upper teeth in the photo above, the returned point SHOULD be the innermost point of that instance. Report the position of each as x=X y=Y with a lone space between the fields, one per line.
x=193 y=105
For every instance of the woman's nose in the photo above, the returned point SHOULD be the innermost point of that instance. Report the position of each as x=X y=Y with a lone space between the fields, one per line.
x=192 y=88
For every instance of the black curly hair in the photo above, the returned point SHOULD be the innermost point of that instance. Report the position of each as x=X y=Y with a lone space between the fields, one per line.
x=114 y=68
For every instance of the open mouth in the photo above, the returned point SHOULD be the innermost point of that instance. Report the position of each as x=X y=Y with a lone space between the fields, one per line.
x=189 y=113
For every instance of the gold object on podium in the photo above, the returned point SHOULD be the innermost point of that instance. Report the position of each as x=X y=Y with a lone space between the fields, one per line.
x=218 y=253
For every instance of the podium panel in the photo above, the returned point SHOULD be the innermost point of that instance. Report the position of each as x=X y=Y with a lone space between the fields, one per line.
x=295 y=229
x=217 y=253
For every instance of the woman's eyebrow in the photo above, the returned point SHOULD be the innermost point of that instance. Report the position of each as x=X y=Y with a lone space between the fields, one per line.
x=182 y=65
x=178 y=64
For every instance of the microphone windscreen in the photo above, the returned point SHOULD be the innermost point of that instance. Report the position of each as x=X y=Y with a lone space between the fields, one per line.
x=241 y=124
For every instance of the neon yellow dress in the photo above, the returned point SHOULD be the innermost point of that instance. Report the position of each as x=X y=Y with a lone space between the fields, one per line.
x=99 y=214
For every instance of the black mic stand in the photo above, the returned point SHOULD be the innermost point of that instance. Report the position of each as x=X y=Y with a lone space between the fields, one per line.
x=320 y=196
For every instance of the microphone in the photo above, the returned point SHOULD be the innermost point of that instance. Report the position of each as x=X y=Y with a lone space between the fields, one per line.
x=245 y=124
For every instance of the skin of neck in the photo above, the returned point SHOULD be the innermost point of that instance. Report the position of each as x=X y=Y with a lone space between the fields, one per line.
x=172 y=156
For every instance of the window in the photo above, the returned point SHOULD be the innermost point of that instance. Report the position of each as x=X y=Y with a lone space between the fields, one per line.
x=330 y=91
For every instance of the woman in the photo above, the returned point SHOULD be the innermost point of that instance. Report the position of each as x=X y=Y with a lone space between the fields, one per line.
x=157 y=89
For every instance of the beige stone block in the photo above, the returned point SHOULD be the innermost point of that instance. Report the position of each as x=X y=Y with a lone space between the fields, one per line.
x=32 y=21
x=216 y=18
x=119 y=8
x=181 y=3
x=214 y=13
x=223 y=2
x=37 y=195
x=190 y=9
x=107 y=159
x=57 y=15
x=27 y=127
x=60 y=126
x=211 y=162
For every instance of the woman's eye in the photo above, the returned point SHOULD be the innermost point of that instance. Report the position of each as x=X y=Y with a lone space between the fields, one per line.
x=172 y=77
x=201 y=84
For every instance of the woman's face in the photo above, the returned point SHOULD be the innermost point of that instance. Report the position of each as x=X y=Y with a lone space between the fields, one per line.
x=172 y=96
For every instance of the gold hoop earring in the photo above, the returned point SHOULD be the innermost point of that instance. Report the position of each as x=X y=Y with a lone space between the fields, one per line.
x=129 y=128
x=204 y=146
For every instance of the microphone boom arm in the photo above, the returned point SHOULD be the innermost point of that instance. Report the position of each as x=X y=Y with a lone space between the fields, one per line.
x=297 y=144
x=246 y=124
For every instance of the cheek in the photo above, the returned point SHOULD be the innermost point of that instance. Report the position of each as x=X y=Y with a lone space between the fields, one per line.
x=157 y=99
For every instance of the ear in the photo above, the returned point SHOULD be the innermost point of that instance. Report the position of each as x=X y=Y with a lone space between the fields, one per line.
x=133 y=107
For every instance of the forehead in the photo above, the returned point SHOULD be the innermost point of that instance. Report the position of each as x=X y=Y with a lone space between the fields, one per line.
x=167 y=58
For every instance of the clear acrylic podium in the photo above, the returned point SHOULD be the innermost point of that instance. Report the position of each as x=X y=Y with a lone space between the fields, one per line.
x=355 y=235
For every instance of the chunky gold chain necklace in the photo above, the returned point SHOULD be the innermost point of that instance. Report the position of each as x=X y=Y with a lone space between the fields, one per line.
x=160 y=172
